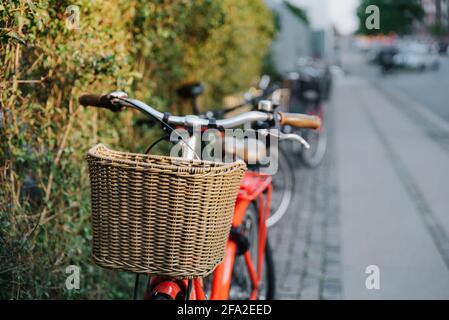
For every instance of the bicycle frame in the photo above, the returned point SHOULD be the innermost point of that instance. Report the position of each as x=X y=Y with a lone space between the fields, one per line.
x=254 y=187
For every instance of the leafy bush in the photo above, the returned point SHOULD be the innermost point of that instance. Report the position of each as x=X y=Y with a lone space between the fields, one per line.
x=146 y=48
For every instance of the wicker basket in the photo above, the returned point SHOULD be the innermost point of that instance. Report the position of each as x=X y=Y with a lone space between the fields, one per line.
x=160 y=215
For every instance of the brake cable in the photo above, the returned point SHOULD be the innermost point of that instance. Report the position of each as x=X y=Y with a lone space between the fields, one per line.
x=164 y=124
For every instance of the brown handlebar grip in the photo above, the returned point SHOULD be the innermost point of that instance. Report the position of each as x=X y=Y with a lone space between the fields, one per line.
x=93 y=100
x=299 y=120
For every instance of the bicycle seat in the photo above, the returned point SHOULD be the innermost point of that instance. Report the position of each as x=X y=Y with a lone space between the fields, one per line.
x=250 y=150
x=190 y=90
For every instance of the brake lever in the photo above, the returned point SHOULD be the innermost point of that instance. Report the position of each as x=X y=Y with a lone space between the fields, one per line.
x=285 y=136
x=294 y=137
x=116 y=98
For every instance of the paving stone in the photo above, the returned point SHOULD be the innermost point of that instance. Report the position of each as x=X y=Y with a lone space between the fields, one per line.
x=307 y=248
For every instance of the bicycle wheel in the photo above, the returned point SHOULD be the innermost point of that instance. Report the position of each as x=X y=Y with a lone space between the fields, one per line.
x=283 y=189
x=269 y=274
x=318 y=143
x=241 y=286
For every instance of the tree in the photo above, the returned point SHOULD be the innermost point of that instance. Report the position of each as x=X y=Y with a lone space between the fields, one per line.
x=297 y=12
x=396 y=16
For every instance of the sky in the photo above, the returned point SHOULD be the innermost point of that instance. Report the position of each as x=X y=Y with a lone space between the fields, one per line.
x=341 y=13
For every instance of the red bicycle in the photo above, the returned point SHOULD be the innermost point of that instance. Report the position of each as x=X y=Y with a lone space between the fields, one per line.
x=247 y=269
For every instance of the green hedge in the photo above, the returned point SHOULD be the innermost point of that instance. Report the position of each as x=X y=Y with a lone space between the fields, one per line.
x=146 y=48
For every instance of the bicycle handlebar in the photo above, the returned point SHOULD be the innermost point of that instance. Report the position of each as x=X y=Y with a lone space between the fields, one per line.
x=117 y=100
x=192 y=121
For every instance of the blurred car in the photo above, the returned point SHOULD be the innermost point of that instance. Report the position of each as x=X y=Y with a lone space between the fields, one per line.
x=417 y=56
x=443 y=48
x=385 y=58
x=372 y=55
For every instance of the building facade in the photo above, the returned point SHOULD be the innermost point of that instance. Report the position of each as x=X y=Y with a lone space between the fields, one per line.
x=436 y=13
x=293 y=40
x=297 y=39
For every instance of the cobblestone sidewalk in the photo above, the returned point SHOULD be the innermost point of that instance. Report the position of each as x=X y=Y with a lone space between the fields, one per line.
x=306 y=242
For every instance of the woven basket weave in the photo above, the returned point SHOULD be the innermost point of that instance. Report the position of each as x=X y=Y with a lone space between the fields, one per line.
x=160 y=215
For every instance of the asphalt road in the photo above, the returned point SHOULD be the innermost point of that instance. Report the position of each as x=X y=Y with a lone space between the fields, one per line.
x=430 y=88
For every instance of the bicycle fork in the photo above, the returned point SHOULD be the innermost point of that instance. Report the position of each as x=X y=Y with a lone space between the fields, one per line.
x=222 y=275
x=174 y=289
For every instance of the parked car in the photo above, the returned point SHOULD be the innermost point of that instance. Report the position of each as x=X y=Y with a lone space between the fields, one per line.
x=372 y=55
x=443 y=47
x=417 y=56
x=385 y=58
